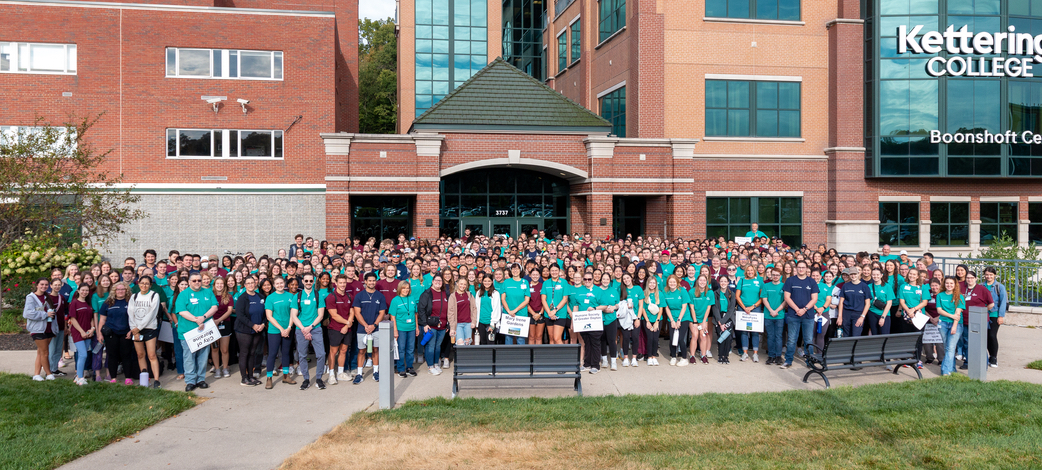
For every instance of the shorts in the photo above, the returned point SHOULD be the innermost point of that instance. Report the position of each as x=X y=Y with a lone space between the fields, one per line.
x=39 y=336
x=541 y=321
x=361 y=339
x=225 y=328
x=562 y=322
x=336 y=338
x=464 y=332
x=148 y=334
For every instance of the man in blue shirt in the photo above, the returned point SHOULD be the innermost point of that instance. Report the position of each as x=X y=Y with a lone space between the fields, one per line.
x=403 y=271
x=801 y=295
x=369 y=308
x=754 y=231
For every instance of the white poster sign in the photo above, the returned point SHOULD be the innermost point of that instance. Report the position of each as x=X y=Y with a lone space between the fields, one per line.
x=198 y=339
x=748 y=321
x=514 y=326
x=932 y=334
x=166 y=332
x=587 y=320
x=742 y=240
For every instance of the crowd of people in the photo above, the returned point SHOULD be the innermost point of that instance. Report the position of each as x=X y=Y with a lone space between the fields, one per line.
x=326 y=300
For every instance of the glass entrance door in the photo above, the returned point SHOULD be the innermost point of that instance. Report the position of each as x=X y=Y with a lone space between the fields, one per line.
x=503 y=226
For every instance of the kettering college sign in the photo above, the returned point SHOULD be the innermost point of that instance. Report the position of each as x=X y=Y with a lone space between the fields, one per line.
x=964 y=42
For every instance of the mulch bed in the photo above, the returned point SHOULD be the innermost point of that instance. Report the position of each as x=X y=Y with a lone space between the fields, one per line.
x=16 y=342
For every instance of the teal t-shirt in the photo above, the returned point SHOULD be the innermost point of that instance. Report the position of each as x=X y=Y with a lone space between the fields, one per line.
x=774 y=296
x=882 y=293
x=655 y=299
x=608 y=296
x=824 y=291
x=636 y=294
x=308 y=308
x=749 y=290
x=280 y=305
x=701 y=304
x=581 y=298
x=96 y=301
x=515 y=291
x=403 y=309
x=196 y=303
x=944 y=302
x=913 y=295
x=485 y=309
x=416 y=288
x=554 y=291
x=675 y=302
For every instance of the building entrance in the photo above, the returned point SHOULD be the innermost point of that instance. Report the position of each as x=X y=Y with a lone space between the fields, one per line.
x=503 y=201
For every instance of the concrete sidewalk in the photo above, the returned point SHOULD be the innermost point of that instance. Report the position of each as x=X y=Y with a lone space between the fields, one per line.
x=252 y=428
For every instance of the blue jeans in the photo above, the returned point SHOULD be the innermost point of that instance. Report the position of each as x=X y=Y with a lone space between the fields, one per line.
x=964 y=345
x=750 y=337
x=773 y=327
x=56 y=348
x=179 y=356
x=406 y=350
x=515 y=339
x=795 y=324
x=195 y=363
x=432 y=350
x=81 y=357
x=950 y=340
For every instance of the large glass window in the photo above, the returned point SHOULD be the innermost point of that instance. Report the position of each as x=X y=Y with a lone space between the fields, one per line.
x=223 y=143
x=613 y=109
x=1025 y=114
x=899 y=223
x=741 y=108
x=21 y=57
x=974 y=106
x=562 y=51
x=996 y=219
x=507 y=193
x=381 y=217
x=223 y=63
x=730 y=217
x=788 y=10
x=949 y=224
x=1035 y=216
x=451 y=46
x=613 y=17
x=523 y=23
x=576 y=33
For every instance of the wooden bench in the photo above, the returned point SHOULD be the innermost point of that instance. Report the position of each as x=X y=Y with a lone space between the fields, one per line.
x=523 y=361
x=851 y=353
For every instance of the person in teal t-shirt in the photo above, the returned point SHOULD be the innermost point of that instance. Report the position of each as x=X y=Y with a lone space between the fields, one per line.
x=634 y=297
x=702 y=302
x=307 y=317
x=555 y=304
x=879 y=318
x=279 y=306
x=608 y=303
x=403 y=317
x=774 y=315
x=515 y=296
x=194 y=306
x=950 y=305
x=584 y=299
x=749 y=301
x=676 y=303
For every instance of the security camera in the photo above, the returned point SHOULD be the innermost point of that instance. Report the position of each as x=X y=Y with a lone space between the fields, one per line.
x=214 y=100
x=216 y=103
x=243 y=103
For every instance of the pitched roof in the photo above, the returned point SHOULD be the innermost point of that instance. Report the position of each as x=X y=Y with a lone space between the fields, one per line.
x=501 y=97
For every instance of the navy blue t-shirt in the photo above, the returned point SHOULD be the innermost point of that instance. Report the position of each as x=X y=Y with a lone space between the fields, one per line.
x=116 y=318
x=800 y=291
x=370 y=305
x=854 y=296
x=255 y=308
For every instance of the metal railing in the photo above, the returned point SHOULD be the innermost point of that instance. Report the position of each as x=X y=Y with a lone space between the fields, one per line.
x=1022 y=277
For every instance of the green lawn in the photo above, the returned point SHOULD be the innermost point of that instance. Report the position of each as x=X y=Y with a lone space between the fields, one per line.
x=46 y=424
x=11 y=321
x=937 y=423
x=1037 y=365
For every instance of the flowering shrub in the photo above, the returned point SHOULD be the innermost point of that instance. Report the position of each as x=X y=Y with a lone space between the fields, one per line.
x=33 y=256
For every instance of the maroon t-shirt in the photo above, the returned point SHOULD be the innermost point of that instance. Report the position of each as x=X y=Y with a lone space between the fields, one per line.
x=83 y=313
x=535 y=301
x=389 y=288
x=979 y=296
x=342 y=305
x=440 y=308
x=931 y=306
x=462 y=307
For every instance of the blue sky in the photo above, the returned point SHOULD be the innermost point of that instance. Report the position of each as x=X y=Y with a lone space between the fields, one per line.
x=376 y=9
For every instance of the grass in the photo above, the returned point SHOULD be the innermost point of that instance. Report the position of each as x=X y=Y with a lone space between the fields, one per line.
x=46 y=424
x=11 y=321
x=1037 y=365
x=938 y=423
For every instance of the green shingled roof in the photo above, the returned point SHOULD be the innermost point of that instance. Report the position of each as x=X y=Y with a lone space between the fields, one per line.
x=501 y=97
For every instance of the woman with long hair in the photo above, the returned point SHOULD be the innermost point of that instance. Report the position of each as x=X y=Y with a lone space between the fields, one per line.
x=143 y=312
x=82 y=328
x=702 y=301
x=554 y=296
x=950 y=305
x=115 y=329
x=225 y=310
x=39 y=317
x=631 y=330
x=675 y=305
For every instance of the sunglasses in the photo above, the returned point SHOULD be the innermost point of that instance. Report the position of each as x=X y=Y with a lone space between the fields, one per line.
x=195 y=280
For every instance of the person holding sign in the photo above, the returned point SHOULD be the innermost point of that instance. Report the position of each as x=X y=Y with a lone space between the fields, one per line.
x=194 y=306
x=307 y=317
x=748 y=299
x=774 y=315
x=554 y=293
x=279 y=306
x=369 y=307
x=676 y=307
x=515 y=298
x=584 y=299
x=933 y=351
x=652 y=302
x=950 y=305
x=702 y=304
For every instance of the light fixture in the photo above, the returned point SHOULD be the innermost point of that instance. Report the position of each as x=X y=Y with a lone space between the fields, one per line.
x=243 y=103
x=216 y=103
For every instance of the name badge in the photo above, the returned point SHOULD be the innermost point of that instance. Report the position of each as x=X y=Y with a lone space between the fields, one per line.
x=586 y=301
x=408 y=320
x=194 y=301
x=307 y=302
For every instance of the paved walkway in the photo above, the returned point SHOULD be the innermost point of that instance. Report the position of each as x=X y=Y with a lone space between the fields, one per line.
x=252 y=428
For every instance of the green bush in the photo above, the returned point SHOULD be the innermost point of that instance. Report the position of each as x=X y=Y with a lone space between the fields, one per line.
x=33 y=256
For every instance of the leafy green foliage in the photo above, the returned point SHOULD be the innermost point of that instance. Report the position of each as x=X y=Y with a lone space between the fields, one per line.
x=377 y=77
x=34 y=256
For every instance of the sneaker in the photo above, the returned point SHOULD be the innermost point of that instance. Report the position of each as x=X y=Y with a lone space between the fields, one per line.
x=673 y=361
x=61 y=362
x=756 y=357
x=786 y=366
x=430 y=370
x=919 y=365
x=683 y=363
x=655 y=361
x=709 y=354
x=246 y=383
x=584 y=369
x=320 y=384
x=705 y=359
x=411 y=372
x=38 y=378
x=218 y=373
x=626 y=362
x=358 y=379
x=958 y=357
x=745 y=357
x=58 y=373
x=437 y=370
x=614 y=365
x=112 y=381
x=634 y=363
x=444 y=363
x=343 y=376
x=227 y=373
x=269 y=384
x=993 y=365
x=964 y=366
x=402 y=375
x=376 y=377
x=594 y=371
x=305 y=384
x=155 y=384
x=332 y=379
x=604 y=361
x=692 y=360
x=125 y=382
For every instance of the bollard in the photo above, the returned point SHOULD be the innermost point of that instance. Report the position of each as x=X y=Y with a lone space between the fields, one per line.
x=977 y=350
x=387 y=361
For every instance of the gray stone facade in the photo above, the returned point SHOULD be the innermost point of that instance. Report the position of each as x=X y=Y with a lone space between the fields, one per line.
x=209 y=224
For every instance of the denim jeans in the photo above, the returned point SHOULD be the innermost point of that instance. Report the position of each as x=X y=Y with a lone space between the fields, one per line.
x=515 y=339
x=964 y=344
x=195 y=363
x=797 y=324
x=432 y=350
x=56 y=348
x=950 y=340
x=320 y=352
x=773 y=327
x=81 y=357
x=750 y=337
x=179 y=356
x=406 y=350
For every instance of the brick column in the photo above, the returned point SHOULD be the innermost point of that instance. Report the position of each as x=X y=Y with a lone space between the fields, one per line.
x=427 y=207
x=682 y=216
x=600 y=207
x=656 y=213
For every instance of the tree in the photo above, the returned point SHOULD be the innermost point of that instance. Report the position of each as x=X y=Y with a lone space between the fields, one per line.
x=377 y=77
x=53 y=183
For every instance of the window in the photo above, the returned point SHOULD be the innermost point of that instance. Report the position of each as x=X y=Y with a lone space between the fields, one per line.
x=562 y=52
x=576 y=33
x=899 y=223
x=451 y=46
x=787 y=10
x=223 y=143
x=613 y=17
x=21 y=57
x=381 y=217
x=221 y=63
x=64 y=141
x=974 y=106
x=777 y=217
x=996 y=219
x=752 y=108
x=1035 y=227
x=613 y=109
x=949 y=224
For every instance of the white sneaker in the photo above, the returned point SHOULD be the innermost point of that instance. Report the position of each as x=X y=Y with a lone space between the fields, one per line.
x=635 y=362
x=49 y=377
x=217 y=373
x=437 y=370
x=81 y=381
x=993 y=365
x=604 y=361
x=332 y=379
x=369 y=362
x=343 y=376
x=673 y=361
x=745 y=357
x=445 y=363
x=709 y=354
x=227 y=373
x=614 y=364
x=958 y=357
x=38 y=378
x=626 y=362
x=756 y=357
x=430 y=370
x=683 y=363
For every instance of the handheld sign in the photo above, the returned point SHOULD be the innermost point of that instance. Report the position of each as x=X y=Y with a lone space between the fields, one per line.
x=199 y=339
x=749 y=321
x=587 y=320
x=514 y=326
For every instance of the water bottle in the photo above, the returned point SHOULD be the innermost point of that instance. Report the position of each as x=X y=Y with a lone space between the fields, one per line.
x=369 y=343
